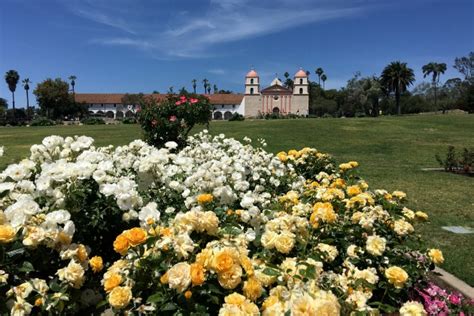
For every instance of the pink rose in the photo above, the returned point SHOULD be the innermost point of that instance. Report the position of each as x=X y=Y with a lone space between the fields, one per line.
x=182 y=98
x=178 y=102
x=173 y=118
x=192 y=100
x=454 y=299
x=154 y=123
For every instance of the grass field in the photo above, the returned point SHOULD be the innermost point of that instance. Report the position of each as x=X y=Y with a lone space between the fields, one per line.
x=390 y=150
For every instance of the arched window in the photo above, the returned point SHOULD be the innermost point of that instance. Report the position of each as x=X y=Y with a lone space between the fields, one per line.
x=227 y=115
x=218 y=115
x=301 y=81
x=301 y=90
x=251 y=81
x=251 y=90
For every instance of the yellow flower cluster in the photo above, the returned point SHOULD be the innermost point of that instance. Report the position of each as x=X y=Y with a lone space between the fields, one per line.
x=129 y=238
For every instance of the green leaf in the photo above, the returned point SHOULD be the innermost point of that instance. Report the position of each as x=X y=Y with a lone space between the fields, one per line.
x=26 y=267
x=169 y=307
x=270 y=271
x=155 y=298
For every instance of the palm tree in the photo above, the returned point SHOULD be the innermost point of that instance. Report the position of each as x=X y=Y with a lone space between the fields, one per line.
x=324 y=78
x=319 y=72
x=437 y=70
x=12 y=77
x=286 y=74
x=194 y=85
x=208 y=88
x=26 y=84
x=397 y=77
x=73 y=82
x=215 y=89
x=205 y=81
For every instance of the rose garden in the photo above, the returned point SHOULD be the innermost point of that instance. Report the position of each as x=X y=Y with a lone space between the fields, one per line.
x=176 y=224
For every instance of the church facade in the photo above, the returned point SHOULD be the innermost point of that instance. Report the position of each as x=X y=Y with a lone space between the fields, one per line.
x=275 y=98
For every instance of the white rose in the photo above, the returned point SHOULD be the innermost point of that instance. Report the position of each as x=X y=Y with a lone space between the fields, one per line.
x=179 y=276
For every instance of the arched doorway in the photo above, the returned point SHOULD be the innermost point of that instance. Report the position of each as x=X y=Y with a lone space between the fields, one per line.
x=227 y=115
x=218 y=115
x=99 y=113
x=119 y=115
x=276 y=110
x=129 y=114
x=109 y=114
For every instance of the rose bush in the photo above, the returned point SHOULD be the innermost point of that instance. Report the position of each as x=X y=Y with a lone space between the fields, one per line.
x=219 y=227
x=173 y=118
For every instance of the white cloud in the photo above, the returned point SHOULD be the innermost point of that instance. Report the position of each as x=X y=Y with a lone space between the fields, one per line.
x=217 y=71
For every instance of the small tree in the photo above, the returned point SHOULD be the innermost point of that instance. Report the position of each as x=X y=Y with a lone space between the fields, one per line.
x=54 y=99
x=173 y=118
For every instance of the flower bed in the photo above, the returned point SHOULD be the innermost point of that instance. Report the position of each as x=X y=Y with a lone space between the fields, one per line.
x=218 y=227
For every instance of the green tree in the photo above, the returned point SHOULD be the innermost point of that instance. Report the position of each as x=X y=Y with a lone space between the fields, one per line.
x=54 y=99
x=436 y=70
x=73 y=83
x=132 y=100
x=319 y=71
x=465 y=65
x=26 y=84
x=215 y=89
x=324 y=78
x=208 y=88
x=194 y=85
x=397 y=77
x=3 y=107
x=12 y=77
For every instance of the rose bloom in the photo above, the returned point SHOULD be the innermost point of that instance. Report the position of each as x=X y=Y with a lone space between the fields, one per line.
x=412 y=308
x=173 y=118
x=353 y=190
x=224 y=260
x=375 y=245
x=136 y=236
x=204 y=198
x=120 y=296
x=421 y=215
x=121 y=244
x=231 y=278
x=96 y=263
x=436 y=256
x=179 y=276
x=284 y=242
x=396 y=276
x=73 y=274
x=7 y=234
x=197 y=274
x=252 y=288
x=112 y=281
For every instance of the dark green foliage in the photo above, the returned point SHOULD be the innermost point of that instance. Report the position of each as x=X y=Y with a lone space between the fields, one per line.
x=42 y=121
x=129 y=120
x=92 y=121
x=459 y=163
x=237 y=117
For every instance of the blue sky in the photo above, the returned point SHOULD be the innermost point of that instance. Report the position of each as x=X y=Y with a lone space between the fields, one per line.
x=144 y=45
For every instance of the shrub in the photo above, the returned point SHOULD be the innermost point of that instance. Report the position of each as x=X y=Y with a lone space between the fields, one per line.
x=173 y=118
x=92 y=121
x=218 y=227
x=42 y=121
x=129 y=120
x=454 y=162
x=237 y=117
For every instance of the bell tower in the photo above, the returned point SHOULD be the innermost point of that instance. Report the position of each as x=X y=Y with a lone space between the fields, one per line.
x=252 y=83
x=300 y=86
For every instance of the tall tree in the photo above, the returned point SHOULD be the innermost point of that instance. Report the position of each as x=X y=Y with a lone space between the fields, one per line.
x=324 y=78
x=465 y=65
x=54 y=99
x=205 y=82
x=215 y=89
x=287 y=75
x=194 y=85
x=208 y=88
x=12 y=77
x=73 y=83
x=436 y=69
x=396 y=77
x=26 y=84
x=319 y=71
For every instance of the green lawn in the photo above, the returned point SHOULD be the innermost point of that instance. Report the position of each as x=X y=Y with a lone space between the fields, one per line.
x=390 y=150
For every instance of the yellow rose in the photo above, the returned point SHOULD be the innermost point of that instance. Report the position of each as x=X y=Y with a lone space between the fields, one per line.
x=39 y=301
x=345 y=166
x=252 y=288
x=353 y=190
x=354 y=164
x=7 y=234
x=235 y=299
x=82 y=253
x=421 y=215
x=375 y=245
x=205 y=198
x=399 y=195
x=188 y=294
x=412 y=308
x=96 y=263
x=396 y=276
x=284 y=242
x=231 y=278
x=324 y=211
x=436 y=256
x=121 y=244
x=120 y=296
x=270 y=301
x=112 y=282
x=223 y=261
x=179 y=276
x=197 y=274
x=136 y=236
x=282 y=156
x=73 y=274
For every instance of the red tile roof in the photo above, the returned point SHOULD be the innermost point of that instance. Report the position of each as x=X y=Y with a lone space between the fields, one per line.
x=116 y=98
